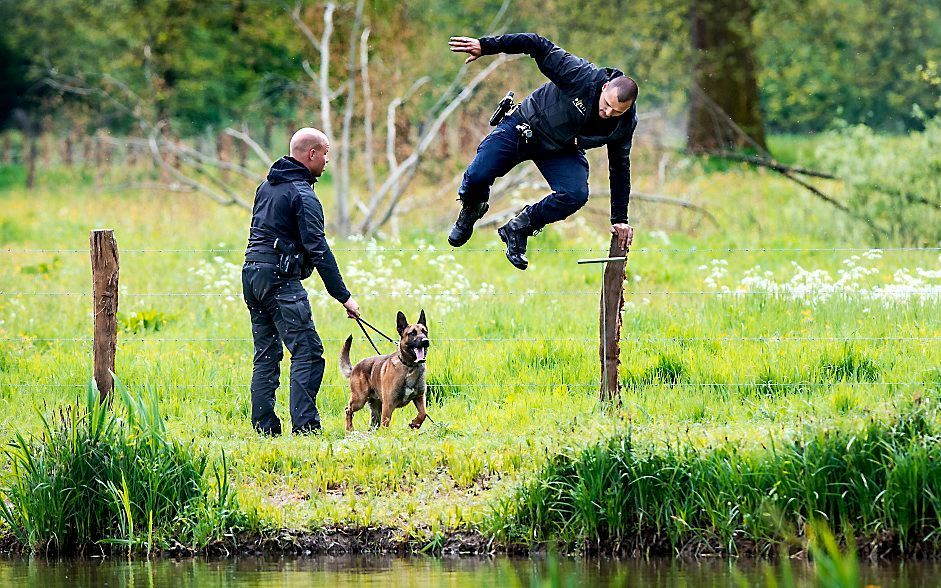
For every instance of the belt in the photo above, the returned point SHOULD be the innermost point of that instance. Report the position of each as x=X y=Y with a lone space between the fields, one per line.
x=273 y=258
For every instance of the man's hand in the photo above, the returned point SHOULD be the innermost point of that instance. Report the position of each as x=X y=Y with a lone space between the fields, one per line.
x=625 y=233
x=466 y=45
x=352 y=308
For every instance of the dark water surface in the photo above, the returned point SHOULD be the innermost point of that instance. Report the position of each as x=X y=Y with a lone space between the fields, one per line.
x=419 y=572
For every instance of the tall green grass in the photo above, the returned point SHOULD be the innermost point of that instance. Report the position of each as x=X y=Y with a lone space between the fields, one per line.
x=883 y=480
x=94 y=478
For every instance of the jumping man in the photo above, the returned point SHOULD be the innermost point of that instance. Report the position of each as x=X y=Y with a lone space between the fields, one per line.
x=581 y=107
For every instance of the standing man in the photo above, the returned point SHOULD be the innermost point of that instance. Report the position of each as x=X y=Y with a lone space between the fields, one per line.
x=581 y=107
x=285 y=244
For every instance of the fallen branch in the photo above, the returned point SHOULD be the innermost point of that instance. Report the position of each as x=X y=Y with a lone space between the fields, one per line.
x=504 y=215
x=771 y=164
x=791 y=174
x=228 y=199
x=255 y=147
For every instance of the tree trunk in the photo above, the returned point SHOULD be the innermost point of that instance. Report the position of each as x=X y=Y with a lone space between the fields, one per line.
x=32 y=142
x=725 y=111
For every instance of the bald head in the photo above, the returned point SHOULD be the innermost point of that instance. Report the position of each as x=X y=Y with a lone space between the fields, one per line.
x=310 y=146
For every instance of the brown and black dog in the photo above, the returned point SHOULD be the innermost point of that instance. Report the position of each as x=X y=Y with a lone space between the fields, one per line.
x=388 y=382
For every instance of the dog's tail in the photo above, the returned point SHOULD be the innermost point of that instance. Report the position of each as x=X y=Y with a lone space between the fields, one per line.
x=345 y=367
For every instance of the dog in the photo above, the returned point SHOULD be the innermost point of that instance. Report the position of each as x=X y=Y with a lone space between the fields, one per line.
x=388 y=382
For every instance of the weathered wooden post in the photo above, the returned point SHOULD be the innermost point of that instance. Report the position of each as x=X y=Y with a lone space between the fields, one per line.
x=104 y=271
x=609 y=321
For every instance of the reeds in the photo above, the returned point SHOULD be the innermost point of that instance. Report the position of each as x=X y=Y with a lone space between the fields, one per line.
x=883 y=480
x=93 y=478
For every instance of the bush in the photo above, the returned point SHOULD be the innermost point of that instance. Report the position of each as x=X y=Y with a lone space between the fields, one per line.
x=892 y=180
x=93 y=478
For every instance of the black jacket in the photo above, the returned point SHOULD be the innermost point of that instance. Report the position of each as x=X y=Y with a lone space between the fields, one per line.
x=559 y=109
x=286 y=207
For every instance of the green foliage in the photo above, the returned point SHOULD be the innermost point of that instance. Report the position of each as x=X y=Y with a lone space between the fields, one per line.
x=834 y=568
x=143 y=320
x=824 y=60
x=43 y=268
x=95 y=478
x=11 y=175
x=892 y=180
x=211 y=64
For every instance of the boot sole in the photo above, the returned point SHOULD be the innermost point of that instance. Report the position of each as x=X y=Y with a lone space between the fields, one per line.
x=502 y=233
x=454 y=243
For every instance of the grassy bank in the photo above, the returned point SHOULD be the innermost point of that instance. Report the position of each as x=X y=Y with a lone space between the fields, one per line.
x=728 y=333
x=881 y=482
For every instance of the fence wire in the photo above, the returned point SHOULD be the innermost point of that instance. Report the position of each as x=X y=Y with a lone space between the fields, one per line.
x=795 y=294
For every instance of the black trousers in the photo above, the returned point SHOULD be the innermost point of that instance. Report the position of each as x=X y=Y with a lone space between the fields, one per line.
x=280 y=312
x=503 y=149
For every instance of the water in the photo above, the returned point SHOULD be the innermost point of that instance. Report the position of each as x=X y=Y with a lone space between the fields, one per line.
x=420 y=572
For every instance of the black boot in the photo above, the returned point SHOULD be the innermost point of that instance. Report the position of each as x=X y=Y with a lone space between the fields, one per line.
x=464 y=227
x=514 y=234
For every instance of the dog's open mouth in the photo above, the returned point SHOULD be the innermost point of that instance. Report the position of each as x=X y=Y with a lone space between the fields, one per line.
x=421 y=351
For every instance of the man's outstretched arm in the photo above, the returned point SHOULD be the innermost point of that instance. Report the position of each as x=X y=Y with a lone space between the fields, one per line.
x=569 y=72
x=619 y=170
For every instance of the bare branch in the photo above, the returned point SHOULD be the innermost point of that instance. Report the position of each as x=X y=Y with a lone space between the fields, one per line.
x=255 y=147
x=398 y=180
x=201 y=159
x=390 y=119
x=771 y=164
x=228 y=199
x=367 y=116
x=314 y=76
x=505 y=215
x=150 y=186
x=342 y=192
x=325 y=69
x=299 y=22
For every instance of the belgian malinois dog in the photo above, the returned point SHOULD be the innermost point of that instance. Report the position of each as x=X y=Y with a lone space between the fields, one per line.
x=388 y=382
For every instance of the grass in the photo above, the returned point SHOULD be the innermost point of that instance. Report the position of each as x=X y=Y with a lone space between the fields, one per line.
x=882 y=478
x=514 y=354
x=92 y=478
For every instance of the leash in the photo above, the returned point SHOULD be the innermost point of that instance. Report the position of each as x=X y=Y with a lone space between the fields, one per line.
x=361 y=321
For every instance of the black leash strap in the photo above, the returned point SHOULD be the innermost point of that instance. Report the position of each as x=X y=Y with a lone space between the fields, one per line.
x=360 y=321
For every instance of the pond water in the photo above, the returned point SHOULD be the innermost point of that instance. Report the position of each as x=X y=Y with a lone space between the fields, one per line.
x=421 y=571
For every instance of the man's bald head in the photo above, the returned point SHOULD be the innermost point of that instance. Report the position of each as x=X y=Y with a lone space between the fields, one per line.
x=310 y=146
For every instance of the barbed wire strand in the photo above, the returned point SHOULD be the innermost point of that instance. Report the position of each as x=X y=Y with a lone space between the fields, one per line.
x=626 y=339
x=795 y=294
x=755 y=383
x=675 y=250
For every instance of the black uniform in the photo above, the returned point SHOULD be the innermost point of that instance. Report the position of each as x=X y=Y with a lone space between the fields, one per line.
x=285 y=244
x=563 y=115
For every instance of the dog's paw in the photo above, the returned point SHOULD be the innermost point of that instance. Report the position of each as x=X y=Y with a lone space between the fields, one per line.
x=414 y=425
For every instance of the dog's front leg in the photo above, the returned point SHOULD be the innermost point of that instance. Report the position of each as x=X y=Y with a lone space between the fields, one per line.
x=420 y=418
x=386 y=412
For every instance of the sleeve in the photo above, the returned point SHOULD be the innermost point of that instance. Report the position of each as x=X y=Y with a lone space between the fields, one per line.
x=619 y=170
x=569 y=72
x=317 y=251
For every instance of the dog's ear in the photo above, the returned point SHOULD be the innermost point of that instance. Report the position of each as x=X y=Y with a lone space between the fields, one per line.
x=400 y=322
x=421 y=319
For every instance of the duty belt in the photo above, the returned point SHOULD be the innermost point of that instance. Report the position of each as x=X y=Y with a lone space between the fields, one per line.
x=272 y=258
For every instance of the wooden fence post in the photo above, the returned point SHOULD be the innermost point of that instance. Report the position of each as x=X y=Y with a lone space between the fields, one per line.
x=612 y=303
x=104 y=270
